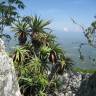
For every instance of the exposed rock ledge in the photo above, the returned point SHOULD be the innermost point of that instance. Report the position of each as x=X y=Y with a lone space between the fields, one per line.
x=77 y=84
x=8 y=82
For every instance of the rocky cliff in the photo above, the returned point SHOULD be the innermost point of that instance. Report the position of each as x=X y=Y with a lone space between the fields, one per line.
x=8 y=82
x=77 y=84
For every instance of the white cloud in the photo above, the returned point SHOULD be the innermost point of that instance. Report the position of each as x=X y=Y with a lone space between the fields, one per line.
x=66 y=29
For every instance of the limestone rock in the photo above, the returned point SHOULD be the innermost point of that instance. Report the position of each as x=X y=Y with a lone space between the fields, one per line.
x=77 y=84
x=8 y=81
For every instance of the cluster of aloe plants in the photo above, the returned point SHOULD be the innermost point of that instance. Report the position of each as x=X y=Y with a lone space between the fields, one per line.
x=38 y=59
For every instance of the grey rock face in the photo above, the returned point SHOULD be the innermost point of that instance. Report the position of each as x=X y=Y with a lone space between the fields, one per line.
x=77 y=84
x=8 y=82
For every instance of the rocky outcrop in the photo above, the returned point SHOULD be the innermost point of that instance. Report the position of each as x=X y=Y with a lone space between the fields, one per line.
x=77 y=84
x=8 y=82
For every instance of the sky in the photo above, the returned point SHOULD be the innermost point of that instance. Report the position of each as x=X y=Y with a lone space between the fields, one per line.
x=60 y=12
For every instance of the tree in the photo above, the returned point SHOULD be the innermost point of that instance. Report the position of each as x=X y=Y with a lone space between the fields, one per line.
x=89 y=32
x=8 y=12
x=90 y=35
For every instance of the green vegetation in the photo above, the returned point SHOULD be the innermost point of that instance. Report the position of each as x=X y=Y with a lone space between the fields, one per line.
x=8 y=14
x=39 y=59
x=84 y=70
x=21 y=28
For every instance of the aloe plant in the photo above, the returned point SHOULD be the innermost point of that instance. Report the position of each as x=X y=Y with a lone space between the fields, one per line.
x=39 y=27
x=21 y=29
x=19 y=55
x=32 y=81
